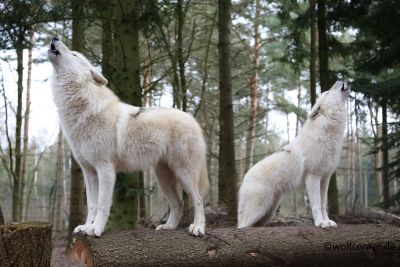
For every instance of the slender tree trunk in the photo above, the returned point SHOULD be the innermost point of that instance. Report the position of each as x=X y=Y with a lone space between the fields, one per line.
x=352 y=162
x=181 y=58
x=378 y=148
x=26 y=126
x=359 y=162
x=16 y=194
x=323 y=46
x=227 y=168
x=147 y=78
x=294 y=194
x=251 y=131
x=76 y=204
x=348 y=161
x=58 y=192
x=366 y=188
x=1 y=216
x=313 y=53
x=385 y=156
x=333 y=199
x=266 y=147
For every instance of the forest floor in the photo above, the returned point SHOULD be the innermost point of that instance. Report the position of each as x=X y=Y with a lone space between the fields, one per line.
x=218 y=220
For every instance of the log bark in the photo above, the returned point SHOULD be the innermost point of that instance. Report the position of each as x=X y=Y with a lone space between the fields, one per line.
x=26 y=244
x=347 y=245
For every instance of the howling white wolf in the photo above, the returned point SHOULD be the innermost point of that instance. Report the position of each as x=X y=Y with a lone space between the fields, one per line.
x=309 y=160
x=107 y=136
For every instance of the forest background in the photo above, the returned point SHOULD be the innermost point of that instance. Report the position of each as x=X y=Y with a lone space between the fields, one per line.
x=248 y=71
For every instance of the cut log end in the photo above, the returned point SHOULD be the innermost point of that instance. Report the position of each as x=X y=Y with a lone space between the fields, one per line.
x=269 y=246
x=80 y=250
x=25 y=244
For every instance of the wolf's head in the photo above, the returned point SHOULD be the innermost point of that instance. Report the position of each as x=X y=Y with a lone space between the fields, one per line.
x=332 y=103
x=67 y=62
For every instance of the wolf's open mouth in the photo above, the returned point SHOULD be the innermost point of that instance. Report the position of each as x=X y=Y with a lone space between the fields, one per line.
x=54 y=50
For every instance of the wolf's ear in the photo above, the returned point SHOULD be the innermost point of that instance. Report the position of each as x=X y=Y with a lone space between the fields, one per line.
x=98 y=78
x=315 y=112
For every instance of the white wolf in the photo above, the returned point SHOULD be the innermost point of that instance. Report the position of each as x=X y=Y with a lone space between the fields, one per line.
x=107 y=136
x=309 y=160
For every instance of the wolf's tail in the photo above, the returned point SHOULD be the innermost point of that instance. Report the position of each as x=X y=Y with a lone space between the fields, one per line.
x=203 y=182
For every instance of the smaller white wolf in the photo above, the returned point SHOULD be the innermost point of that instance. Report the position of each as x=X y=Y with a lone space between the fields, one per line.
x=309 y=160
x=107 y=136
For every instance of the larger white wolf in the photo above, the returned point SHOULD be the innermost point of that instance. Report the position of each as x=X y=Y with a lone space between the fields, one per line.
x=107 y=136
x=309 y=160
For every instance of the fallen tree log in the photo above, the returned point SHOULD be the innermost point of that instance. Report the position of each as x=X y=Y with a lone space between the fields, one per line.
x=347 y=245
x=25 y=244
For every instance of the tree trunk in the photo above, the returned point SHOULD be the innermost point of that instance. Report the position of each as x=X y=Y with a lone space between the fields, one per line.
x=181 y=59
x=26 y=127
x=16 y=194
x=385 y=156
x=266 y=120
x=348 y=245
x=323 y=46
x=324 y=83
x=182 y=81
x=251 y=131
x=313 y=53
x=145 y=197
x=348 y=199
x=106 y=39
x=227 y=168
x=378 y=159
x=27 y=244
x=76 y=201
x=126 y=85
x=58 y=192
x=1 y=216
x=76 y=205
x=359 y=162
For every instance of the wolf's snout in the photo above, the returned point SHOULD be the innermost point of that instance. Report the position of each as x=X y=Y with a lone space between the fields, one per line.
x=344 y=89
x=53 y=48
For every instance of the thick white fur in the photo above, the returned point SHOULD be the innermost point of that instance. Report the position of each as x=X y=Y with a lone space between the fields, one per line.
x=308 y=161
x=107 y=136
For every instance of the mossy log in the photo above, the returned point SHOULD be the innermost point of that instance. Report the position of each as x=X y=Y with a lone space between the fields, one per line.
x=347 y=245
x=25 y=244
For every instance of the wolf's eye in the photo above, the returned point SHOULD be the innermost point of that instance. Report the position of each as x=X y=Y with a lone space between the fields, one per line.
x=74 y=55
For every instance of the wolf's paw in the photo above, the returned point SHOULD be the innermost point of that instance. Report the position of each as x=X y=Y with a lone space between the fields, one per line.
x=89 y=229
x=326 y=224
x=331 y=223
x=197 y=230
x=165 y=227
x=80 y=228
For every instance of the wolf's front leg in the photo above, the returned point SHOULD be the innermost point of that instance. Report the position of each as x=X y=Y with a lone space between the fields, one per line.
x=106 y=175
x=313 y=192
x=324 y=201
x=92 y=190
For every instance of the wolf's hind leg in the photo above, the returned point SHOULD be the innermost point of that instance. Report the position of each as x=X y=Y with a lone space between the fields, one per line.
x=168 y=184
x=188 y=178
x=257 y=205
